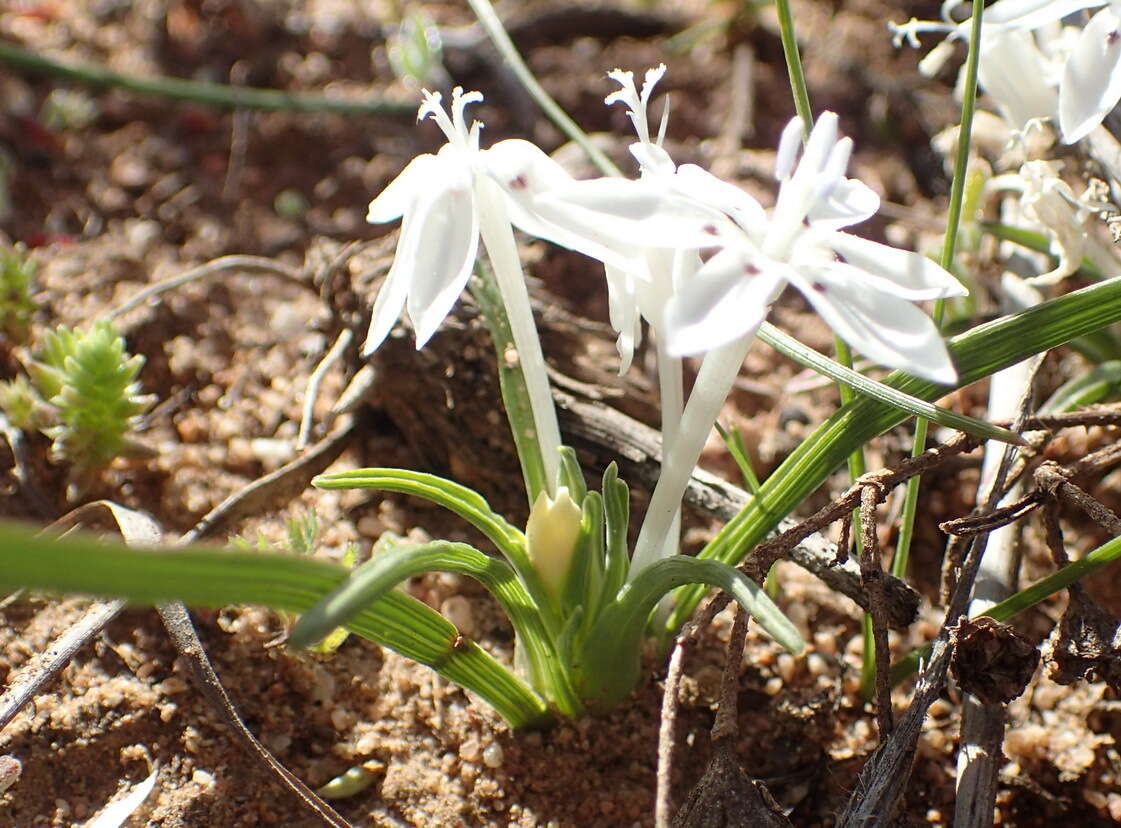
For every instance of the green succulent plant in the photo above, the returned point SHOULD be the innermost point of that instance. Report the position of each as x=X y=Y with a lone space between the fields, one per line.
x=17 y=275
x=90 y=382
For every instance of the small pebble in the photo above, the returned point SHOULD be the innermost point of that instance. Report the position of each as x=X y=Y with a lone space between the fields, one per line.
x=492 y=755
x=784 y=666
x=457 y=609
x=825 y=643
x=10 y=770
x=817 y=665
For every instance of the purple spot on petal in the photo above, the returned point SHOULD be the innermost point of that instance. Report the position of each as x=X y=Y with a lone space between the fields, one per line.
x=840 y=258
x=819 y=287
x=1112 y=38
x=710 y=229
x=519 y=183
x=751 y=270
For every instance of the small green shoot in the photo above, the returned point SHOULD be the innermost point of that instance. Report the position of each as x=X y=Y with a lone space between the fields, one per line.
x=17 y=280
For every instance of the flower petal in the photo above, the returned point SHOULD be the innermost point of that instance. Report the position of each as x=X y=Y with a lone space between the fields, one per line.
x=643 y=213
x=1013 y=72
x=391 y=298
x=622 y=311
x=444 y=252
x=1031 y=14
x=697 y=182
x=727 y=298
x=849 y=202
x=523 y=171
x=899 y=272
x=1091 y=84
x=883 y=327
x=394 y=201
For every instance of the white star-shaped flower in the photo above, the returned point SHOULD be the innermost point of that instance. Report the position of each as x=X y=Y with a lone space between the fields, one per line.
x=862 y=289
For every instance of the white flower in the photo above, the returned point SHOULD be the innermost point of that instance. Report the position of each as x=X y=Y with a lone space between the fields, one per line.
x=1021 y=76
x=1091 y=84
x=435 y=195
x=863 y=290
x=442 y=202
x=655 y=220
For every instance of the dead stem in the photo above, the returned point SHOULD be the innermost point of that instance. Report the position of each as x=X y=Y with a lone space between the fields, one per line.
x=871 y=568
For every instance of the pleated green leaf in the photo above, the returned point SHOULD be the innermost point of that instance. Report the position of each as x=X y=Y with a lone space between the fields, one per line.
x=206 y=576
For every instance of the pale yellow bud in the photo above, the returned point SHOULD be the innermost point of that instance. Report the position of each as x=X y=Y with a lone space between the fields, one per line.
x=551 y=535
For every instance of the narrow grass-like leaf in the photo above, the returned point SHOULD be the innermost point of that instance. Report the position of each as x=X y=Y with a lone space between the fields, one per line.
x=616 y=509
x=978 y=353
x=382 y=573
x=608 y=664
x=791 y=347
x=1095 y=386
x=465 y=502
x=511 y=383
x=205 y=576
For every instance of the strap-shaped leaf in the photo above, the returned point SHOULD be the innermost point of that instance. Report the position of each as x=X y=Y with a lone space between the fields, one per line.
x=608 y=663
x=978 y=353
x=465 y=502
x=791 y=347
x=205 y=576
x=616 y=510
x=379 y=575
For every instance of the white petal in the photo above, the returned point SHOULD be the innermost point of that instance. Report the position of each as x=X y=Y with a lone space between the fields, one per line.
x=1031 y=14
x=883 y=327
x=652 y=159
x=643 y=213
x=788 y=146
x=906 y=274
x=697 y=182
x=850 y=202
x=393 y=202
x=444 y=253
x=1013 y=72
x=524 y=171
x=1091 y=84
x=727 y=298
x=622 y=310
x=391 y=297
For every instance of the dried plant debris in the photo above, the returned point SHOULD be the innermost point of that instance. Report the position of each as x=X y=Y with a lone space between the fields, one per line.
x=1086 y=644
x=726 y=797
x=991 y=661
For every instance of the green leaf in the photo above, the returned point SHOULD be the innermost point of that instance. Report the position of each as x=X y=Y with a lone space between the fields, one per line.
x=1096 y=385
x=608 y=663
x=205 y=576
x=616 y=510
x=978 y=353
x=791 y=347
x=465 y=502
x=571 y=475
x=383 y=572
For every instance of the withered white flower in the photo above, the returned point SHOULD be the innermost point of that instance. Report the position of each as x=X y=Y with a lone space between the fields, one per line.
x=1022 y=72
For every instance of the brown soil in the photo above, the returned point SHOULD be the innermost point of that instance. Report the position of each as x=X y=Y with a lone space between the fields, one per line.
x=150 y=187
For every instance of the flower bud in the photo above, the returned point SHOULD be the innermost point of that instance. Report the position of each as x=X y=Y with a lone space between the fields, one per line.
x=551 y=535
